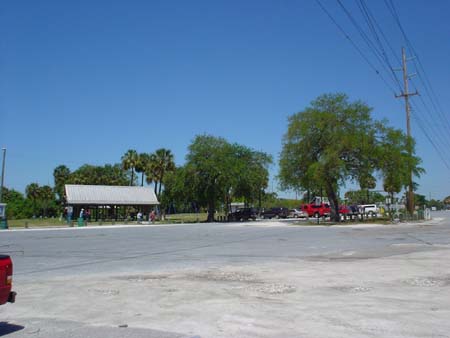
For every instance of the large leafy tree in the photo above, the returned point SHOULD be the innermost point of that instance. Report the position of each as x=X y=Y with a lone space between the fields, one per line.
x=326 y=144
x=98 y=175
x=206 y=166
x=129 y=162
x=178 y=194
x=397 y=158
x=41 y=199
x=252 y=175
x=216 y=171
x=360 y=197
x=17 y=206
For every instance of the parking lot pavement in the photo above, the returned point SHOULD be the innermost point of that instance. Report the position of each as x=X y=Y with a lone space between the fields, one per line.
x=243 y=280
x=45 y=328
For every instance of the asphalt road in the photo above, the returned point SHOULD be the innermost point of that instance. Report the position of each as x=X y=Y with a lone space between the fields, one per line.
x=211 y=280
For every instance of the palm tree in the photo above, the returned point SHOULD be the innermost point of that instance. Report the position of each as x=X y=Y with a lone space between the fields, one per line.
x=151 y=171
x=162 y=162
x=142 y=164
x=61 y=176
x=46 y=197
x=32 y=192
x=129 y=161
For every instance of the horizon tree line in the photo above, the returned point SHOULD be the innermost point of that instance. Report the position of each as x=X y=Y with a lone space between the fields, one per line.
x=330 y=142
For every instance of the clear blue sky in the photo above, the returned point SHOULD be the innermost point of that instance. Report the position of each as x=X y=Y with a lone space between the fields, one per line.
x=84 y=81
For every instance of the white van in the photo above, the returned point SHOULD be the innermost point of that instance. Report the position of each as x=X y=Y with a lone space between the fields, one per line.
x=370 y=209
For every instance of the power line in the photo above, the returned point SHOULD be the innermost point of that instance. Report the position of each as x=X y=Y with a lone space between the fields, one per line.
x=367 y=40
x=426 y=83
x=354 y=45
x=436 y=148
x=433 y=132
x=374 y=27
x=444 y=137
x=442 y=121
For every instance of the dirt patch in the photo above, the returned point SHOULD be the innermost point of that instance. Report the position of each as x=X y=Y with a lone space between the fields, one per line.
x=142 y=278
x=351 y=289
x=223 y=276
x=275 y=288
x=104 y=292
x=428 y=281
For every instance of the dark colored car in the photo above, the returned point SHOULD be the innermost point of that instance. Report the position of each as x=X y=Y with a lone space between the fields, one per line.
x=275 y=213
x=243 y=214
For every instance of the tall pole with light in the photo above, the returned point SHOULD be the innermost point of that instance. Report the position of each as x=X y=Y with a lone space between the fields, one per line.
x=3 y=221
x=3 y=174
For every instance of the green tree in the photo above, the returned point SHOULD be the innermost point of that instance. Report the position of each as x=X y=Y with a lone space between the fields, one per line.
x=439 y=205
x=16 y=205
x=32 y=194
x=162 y=162
x=361 y=197
x=420 y=200
x=177 y=193
x=397 y=158
x=97 y=175
x=206 y=171
x=61 y=175
x=129 y=162
x=46 y=201
x=42 y=199
x=142 y=165
x=250 y=170
x=216 y=171
x=325 y=145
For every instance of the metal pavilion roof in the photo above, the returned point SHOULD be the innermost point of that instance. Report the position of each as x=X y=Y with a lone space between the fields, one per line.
x=109 y=195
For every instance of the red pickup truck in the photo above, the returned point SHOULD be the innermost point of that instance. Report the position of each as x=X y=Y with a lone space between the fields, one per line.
x=6 y=272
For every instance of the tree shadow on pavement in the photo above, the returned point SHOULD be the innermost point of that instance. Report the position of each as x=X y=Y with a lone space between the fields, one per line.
x=7 y=328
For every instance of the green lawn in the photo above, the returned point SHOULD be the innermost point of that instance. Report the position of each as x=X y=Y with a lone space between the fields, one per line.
x=35 y=222
x=55 y=222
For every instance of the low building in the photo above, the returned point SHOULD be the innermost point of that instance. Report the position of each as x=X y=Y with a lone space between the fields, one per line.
x=109 y=202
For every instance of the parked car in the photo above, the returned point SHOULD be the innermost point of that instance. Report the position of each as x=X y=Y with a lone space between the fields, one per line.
x=6 y=274
x=345 y=210
x=297 y=213
x=243 y=214
x=275 y=213
x=317 y=210
x=369 y=209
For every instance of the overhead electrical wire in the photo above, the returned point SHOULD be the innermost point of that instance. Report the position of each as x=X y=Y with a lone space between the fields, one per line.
x=367 y=40
x=439 y=132
x=430 y=139
x=443 y=137
x=358 y=49
x=439 y=139
x=375 y=28
x=419 y=67
x=437 y=121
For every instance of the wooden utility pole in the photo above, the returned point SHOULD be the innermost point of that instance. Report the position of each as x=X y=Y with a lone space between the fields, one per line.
x=406 y=94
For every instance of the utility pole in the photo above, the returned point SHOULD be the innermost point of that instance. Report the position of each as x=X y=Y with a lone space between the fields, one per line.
x=406 y=94
x=3 y=174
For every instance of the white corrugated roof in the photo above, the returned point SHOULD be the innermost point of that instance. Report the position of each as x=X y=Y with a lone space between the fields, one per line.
x=109 y=195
